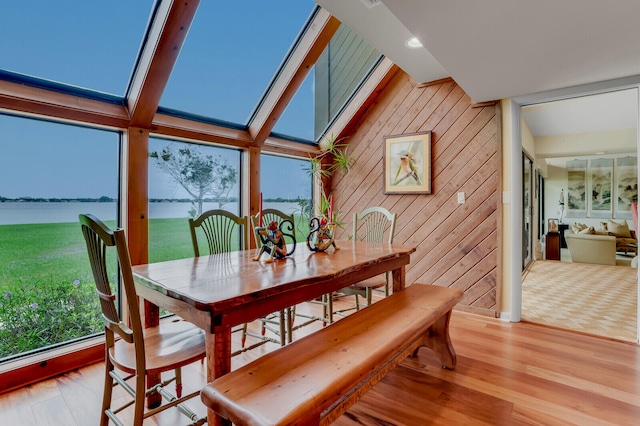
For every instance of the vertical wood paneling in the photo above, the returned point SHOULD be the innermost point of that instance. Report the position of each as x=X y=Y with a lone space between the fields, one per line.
x=457 y=244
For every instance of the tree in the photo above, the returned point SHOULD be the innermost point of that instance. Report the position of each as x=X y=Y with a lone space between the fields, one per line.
x=199 y=174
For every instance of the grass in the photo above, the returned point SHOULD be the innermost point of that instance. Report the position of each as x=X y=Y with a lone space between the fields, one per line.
x=47 y=293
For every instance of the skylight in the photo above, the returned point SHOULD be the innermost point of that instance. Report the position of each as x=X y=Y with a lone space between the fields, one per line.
x=232 y=51
x=91 y=45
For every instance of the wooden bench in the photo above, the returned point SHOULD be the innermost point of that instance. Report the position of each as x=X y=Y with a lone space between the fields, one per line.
x=314 y=380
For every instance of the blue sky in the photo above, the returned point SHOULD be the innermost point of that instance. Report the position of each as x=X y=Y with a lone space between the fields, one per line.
x=228 y=59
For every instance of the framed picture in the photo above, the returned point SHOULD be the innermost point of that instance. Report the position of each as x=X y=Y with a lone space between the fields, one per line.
x=552 y=225
x=600 y=188
x=407 y=164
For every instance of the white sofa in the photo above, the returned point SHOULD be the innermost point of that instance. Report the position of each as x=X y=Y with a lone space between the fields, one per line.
x=591 y=248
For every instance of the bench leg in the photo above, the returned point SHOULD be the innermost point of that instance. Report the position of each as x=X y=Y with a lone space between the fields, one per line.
x=439 y=341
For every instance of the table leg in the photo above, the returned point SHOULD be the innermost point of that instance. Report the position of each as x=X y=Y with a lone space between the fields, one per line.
x=398 y=279
x=152 y=319
x=218 y=364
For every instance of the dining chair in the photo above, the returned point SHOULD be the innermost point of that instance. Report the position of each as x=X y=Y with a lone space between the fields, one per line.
x=288 y=325
x=371 y=224
x=223 y=232
x=277 y=322
x=131 y=351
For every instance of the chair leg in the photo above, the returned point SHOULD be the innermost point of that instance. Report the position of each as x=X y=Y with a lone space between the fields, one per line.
x=368 y=293
x=138 y=414
x=106 y=393
x=284 y=319
x=178 y=382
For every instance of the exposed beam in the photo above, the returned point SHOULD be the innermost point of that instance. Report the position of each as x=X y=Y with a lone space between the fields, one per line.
x=298 y=66
x=282 y=146
x=167 y=34
x=197 y=131
x=365 y=96
x=40 y=102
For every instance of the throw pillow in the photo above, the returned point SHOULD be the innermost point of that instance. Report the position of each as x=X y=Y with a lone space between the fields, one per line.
x=619 y=229
x=588 y=230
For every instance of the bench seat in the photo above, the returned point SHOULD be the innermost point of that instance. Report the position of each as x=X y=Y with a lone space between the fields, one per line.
x=316 y=379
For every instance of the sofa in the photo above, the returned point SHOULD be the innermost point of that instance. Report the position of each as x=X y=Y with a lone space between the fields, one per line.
x=591 y=248
x=588 y=245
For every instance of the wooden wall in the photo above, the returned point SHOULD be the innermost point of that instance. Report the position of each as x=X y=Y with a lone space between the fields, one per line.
x=457 y=244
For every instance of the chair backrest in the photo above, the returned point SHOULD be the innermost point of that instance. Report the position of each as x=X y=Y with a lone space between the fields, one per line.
x=223 y=231
x=269 y=215
x=372 y=223
x=99 y=239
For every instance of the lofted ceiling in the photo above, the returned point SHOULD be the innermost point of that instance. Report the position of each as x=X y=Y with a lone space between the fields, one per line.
x=497 y=49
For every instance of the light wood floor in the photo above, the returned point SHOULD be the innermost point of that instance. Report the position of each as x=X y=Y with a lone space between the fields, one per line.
x=507 y=374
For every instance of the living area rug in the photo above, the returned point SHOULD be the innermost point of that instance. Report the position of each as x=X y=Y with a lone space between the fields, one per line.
x=593 y=299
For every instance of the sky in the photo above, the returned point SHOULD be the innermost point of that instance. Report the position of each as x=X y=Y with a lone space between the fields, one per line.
x=225 y=65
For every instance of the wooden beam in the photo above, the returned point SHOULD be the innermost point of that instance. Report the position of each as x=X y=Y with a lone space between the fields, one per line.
x=291 y=77
x=183 y=128
x=136 y=185
x=286 y=147
x=251 y=189
x=40 y=102
x=167 y=34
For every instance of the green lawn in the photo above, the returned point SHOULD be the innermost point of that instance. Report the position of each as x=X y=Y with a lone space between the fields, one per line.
x=47 y=293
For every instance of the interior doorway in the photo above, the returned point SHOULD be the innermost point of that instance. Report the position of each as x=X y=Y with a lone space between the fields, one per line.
x=523 y=134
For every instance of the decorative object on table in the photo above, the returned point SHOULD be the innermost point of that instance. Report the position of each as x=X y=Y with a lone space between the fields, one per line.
x=561 y=204
x=273 y=242
x=321 y=234
x=552 y=226
x=407 y=164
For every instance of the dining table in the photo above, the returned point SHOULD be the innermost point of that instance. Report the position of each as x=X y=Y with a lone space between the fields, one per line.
x=220 y=291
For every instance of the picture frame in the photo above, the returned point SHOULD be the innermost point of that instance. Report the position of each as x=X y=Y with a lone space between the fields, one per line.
x=407 y=163
x=552 y=226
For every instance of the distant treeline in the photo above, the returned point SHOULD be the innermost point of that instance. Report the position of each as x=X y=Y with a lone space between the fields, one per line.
x=105 y=199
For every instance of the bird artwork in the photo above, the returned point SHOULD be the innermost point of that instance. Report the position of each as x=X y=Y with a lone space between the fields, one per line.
x=407 y=168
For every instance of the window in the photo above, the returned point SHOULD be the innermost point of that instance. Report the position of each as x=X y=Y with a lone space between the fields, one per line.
x=182 y=185
x=230 y=55
x=50 y=173
x=287 y=186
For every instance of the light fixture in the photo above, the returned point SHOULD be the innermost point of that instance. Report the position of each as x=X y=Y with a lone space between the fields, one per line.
x=601 y=152
x=413 y=43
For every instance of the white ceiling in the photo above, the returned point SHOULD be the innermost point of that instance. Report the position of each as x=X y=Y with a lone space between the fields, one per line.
x=497 y=49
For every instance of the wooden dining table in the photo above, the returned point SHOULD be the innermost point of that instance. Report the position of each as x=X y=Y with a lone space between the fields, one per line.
x=220 y=291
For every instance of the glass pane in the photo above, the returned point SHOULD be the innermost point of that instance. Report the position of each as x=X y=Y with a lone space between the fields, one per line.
x=185 y=180
x=297 y=119
x=291 y=195
x=231 y=54
x=87 y=44
x=341 y=68
x=50 y=174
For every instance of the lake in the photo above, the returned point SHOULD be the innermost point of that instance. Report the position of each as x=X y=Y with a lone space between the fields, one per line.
x=17 y=213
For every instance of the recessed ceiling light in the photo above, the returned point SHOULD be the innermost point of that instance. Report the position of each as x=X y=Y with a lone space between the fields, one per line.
x=601 y=152
x=414 y=43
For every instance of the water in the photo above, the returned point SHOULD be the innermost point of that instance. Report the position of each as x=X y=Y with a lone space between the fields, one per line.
x=17 y=213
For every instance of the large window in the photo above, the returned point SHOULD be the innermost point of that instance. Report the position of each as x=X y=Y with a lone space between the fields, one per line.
x=50 y=173
x=185 y=180
x=287 y=186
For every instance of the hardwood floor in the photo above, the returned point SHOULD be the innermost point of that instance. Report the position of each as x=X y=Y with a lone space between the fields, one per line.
x=507 y=374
